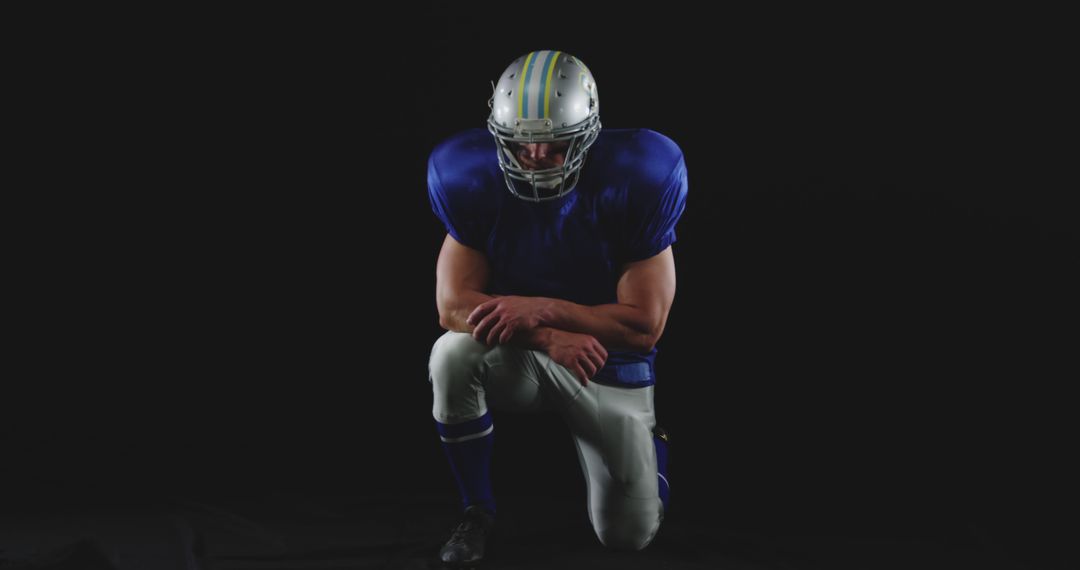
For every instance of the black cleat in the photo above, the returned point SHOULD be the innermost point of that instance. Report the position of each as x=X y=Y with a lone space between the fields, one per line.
x=466 y=544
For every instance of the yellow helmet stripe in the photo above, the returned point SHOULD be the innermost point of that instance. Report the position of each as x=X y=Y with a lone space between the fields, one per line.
x=523 y=102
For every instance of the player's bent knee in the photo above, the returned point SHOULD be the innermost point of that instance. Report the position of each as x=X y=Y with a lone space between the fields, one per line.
x=627 y=534
x=454 y=358
x=454 y=372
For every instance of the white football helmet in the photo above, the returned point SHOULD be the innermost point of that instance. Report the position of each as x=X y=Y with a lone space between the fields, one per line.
x=544 y=97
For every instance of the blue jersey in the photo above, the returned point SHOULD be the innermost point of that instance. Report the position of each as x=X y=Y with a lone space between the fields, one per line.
x=631 y=193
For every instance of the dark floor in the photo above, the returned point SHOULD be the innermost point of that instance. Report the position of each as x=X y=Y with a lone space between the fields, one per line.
x=280 y=531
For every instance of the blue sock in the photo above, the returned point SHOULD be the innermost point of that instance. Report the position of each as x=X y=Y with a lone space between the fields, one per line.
x=661 y=468
x=468 y=447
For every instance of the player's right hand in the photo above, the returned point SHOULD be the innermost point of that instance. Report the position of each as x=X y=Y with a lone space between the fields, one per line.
x=580 y=353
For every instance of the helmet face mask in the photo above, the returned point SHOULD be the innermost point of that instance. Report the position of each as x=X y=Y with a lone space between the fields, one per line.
x=544 y=97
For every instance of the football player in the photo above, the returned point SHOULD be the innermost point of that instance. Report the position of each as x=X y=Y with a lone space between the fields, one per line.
x=554 y=284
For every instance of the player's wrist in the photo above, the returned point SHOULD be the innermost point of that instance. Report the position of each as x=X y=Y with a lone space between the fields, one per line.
x=546 y=314
x=545 y=337
x=555 y=313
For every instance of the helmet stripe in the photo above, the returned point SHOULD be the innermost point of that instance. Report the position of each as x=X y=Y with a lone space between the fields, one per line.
x=523 y=101
x=553 y=56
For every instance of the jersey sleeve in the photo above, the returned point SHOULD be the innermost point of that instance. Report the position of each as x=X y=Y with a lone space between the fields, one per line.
x=655 y=209
x=451 y=206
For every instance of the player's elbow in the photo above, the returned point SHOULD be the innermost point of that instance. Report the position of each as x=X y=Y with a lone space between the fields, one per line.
x=645 y=329
x=448 y=321
x=646 y=347
x=447 y=311
x=446 y=315
x=644 y=342
x=444 y=321
x=650 y=332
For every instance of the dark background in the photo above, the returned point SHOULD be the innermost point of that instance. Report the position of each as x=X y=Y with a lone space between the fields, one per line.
x=870 y=335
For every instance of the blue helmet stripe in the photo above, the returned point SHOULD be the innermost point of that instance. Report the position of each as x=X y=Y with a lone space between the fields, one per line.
x=545 y=76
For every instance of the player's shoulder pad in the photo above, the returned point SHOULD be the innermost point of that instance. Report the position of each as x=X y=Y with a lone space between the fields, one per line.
x=658 y=144
x=463 y=183
x=462 y=160
x=641 y=158
x=658 y=166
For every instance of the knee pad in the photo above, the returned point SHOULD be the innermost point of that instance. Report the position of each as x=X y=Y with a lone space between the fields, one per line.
x=453 y=355
x=454 y=373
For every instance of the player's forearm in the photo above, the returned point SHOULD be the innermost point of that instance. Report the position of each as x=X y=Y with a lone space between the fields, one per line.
x=455 y=307
x=538 y=338
x=616 y=326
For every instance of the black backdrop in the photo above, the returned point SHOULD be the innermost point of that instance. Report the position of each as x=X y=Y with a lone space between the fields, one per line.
x=873 y=265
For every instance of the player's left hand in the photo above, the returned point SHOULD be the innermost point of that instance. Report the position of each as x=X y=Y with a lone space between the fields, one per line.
x=497 y=320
